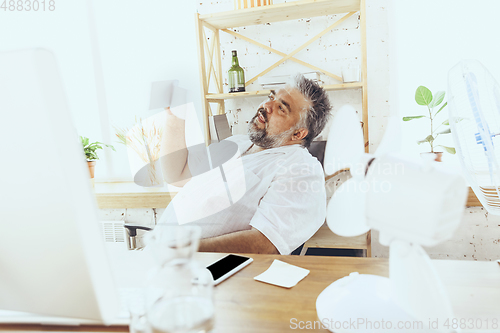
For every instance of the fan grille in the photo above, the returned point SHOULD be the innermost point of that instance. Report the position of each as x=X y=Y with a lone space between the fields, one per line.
x=474 y=107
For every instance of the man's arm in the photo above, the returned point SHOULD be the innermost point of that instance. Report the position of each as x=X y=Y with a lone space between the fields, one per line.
x=174 y=152
x=246 y=241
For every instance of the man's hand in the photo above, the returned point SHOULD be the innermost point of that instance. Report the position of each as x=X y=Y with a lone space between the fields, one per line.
x=247 y=241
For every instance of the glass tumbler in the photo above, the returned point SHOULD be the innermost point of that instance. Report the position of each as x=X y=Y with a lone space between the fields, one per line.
x=179 y=295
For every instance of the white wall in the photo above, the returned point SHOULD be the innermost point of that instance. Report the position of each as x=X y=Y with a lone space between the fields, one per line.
x=153 y=40
x=429 y=38
x=138 y=42
x=65 y=32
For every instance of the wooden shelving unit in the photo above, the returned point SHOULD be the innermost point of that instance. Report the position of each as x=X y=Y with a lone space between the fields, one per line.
x=209 y=52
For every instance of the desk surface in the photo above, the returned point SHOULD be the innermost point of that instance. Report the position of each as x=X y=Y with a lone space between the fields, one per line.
x=246 y=305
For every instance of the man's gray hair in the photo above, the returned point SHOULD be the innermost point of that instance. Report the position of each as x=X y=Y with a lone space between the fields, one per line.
x=316 y=117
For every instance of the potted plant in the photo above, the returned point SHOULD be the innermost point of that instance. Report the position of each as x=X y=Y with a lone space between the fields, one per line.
x=90 y=150
x=423 y=96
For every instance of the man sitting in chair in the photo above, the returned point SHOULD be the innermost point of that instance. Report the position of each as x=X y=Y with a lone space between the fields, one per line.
x=284 y=199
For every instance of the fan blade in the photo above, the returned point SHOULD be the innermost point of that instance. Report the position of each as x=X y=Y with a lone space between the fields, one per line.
x=391 y=142
x=345 y=214
x=345 y=144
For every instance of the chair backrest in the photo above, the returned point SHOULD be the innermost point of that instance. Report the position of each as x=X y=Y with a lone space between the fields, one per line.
x=317 y=149
x=222 y=128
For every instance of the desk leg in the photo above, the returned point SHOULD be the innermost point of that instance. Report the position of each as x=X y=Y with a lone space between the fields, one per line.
x=304 y=249
x=369 y=244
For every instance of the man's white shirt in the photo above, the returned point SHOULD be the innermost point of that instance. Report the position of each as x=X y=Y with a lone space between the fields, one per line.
x=278 y=191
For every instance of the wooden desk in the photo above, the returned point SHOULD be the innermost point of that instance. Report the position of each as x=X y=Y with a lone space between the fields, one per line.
x=246 y=305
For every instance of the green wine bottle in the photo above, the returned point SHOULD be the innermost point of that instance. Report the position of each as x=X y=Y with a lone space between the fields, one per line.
x=236 y=75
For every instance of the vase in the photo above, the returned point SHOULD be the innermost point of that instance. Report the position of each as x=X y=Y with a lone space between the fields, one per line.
x=91 y=165
x=150 y=175
x=437 y=156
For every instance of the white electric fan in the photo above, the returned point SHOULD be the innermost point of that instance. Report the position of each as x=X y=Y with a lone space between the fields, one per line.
x=474 y=107
x=412 y=203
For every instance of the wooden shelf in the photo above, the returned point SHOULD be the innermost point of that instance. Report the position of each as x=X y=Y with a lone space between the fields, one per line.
x=217 y=97
x=279 y=12
x=131 y=195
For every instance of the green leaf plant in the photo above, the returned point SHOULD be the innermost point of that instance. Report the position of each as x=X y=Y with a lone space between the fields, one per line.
x=424 y=97
x=90 y=149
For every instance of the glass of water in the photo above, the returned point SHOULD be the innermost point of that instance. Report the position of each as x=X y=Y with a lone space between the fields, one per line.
x=179 y=296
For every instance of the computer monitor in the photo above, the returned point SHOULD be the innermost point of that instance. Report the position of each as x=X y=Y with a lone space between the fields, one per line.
x=51 y=248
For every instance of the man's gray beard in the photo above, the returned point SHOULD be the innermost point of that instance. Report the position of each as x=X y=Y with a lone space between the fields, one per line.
x=261 y=138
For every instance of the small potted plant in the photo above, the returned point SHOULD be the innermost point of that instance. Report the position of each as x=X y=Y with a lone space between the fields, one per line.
x=424 y=96
x=90 y=150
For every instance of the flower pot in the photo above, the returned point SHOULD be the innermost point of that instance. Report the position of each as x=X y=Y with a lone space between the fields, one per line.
x=437 y=156
x=91 y=165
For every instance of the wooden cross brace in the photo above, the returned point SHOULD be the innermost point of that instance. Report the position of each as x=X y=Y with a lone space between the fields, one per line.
x=291 y=55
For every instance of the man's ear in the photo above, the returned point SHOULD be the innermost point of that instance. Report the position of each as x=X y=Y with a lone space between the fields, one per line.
x=299 y=134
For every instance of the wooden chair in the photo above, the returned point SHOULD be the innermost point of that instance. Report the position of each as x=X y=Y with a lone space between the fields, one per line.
x=324 y=238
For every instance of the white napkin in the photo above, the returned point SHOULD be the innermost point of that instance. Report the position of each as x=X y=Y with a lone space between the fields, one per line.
x=282 y=274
